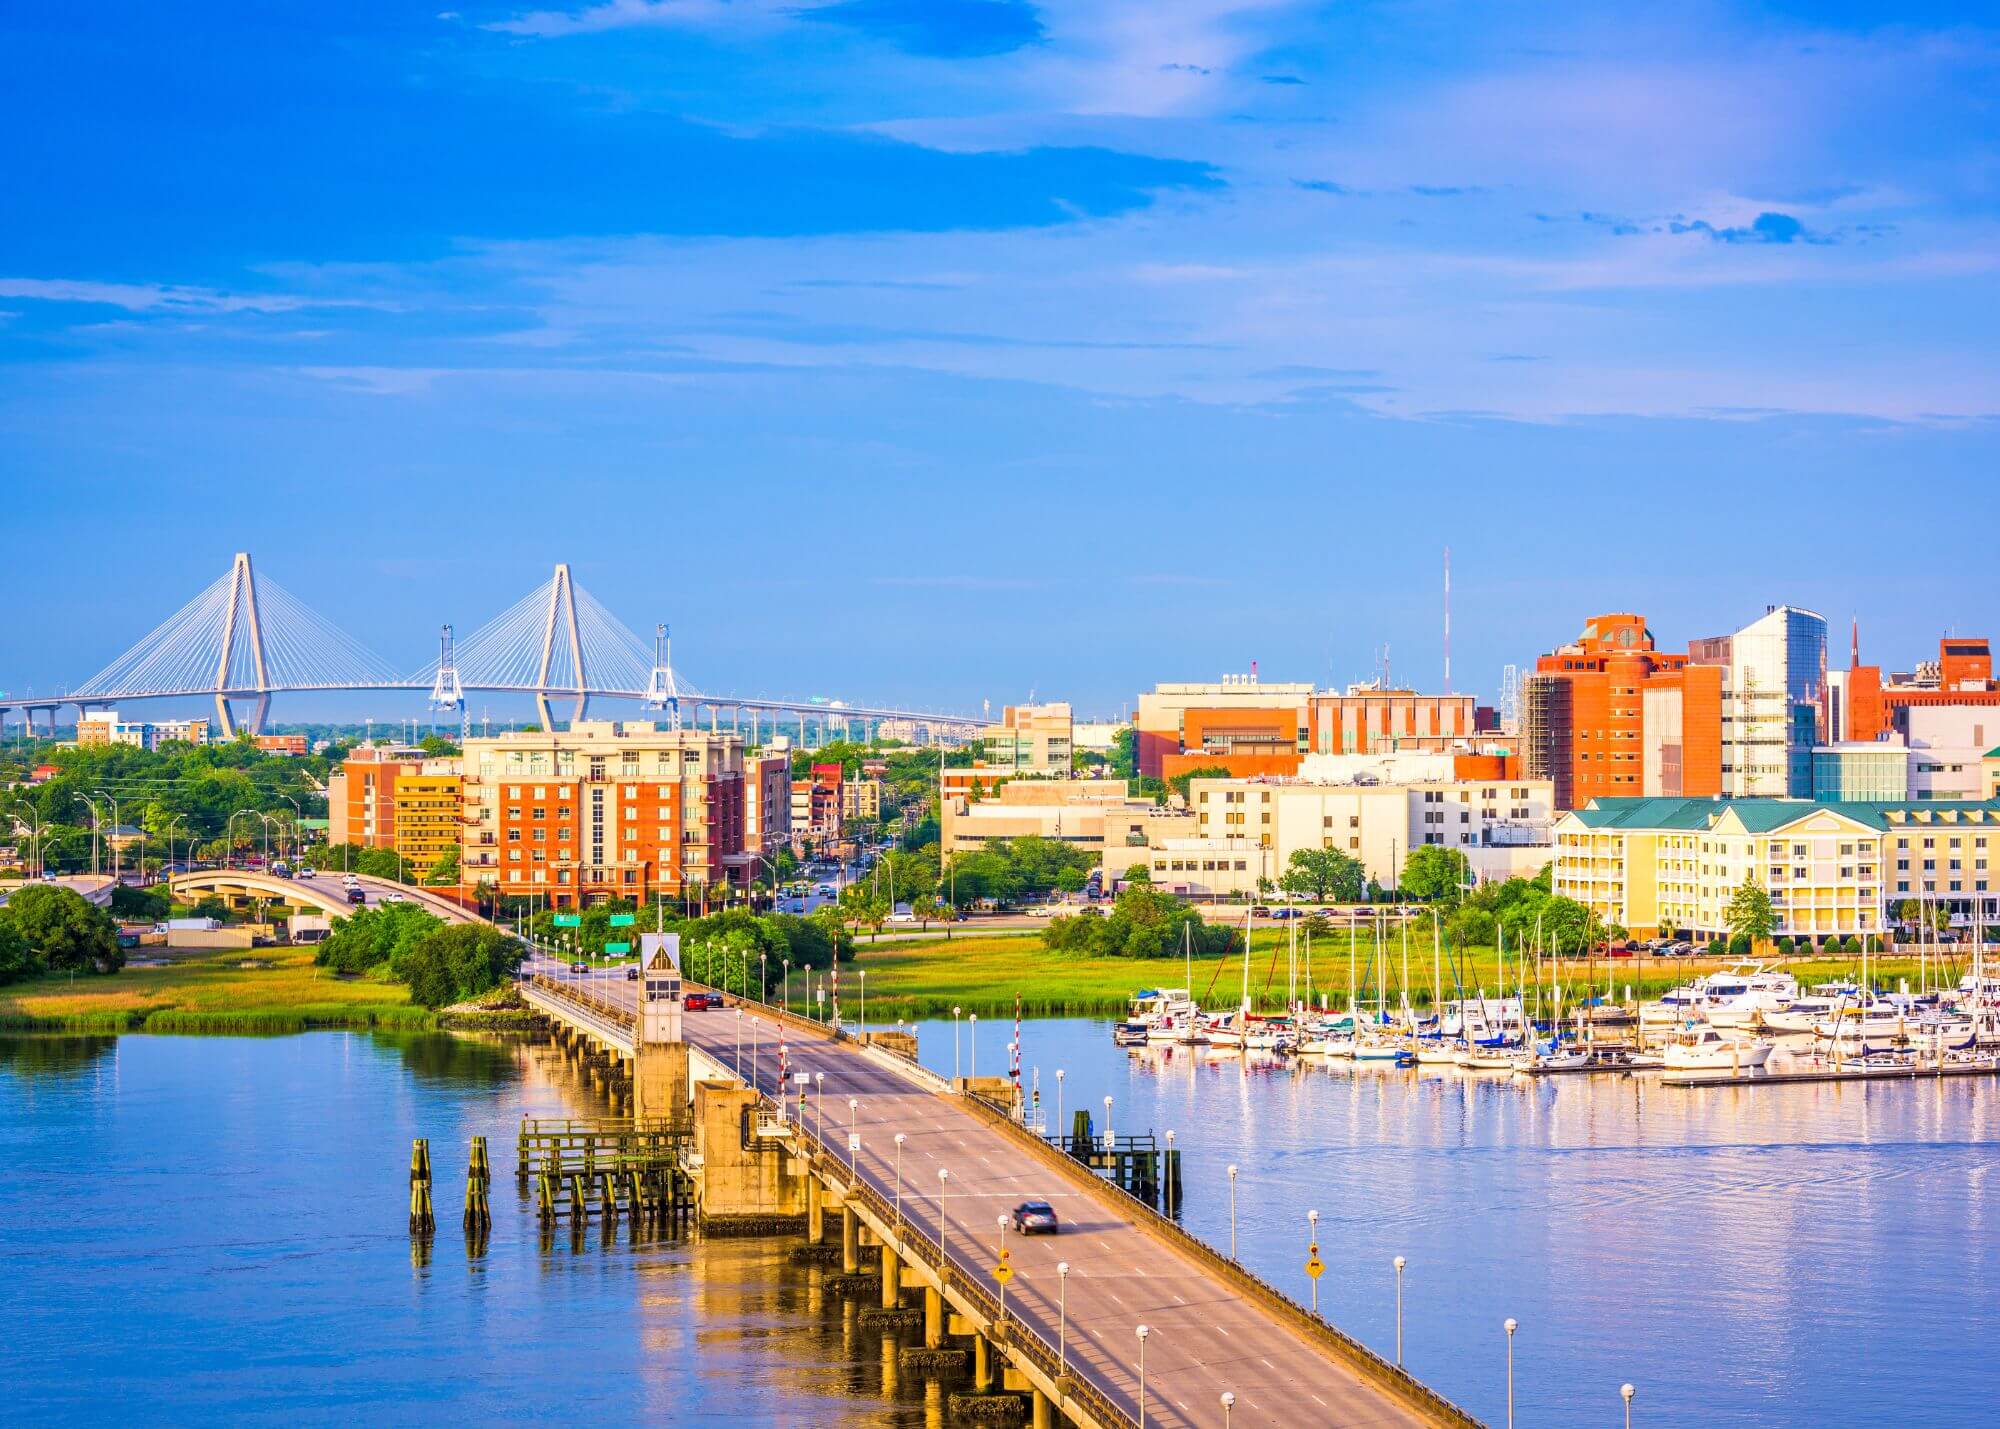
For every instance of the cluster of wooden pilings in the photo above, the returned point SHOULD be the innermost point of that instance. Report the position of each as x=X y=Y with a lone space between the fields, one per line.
x=1135 y=1164
x=478 y=1218
x=611 y=1170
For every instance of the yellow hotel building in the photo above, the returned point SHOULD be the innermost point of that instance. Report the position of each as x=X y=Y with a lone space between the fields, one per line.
x=1662 y=866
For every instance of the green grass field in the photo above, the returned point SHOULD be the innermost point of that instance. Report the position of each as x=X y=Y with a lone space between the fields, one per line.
x=262 y=991
x=928 y=978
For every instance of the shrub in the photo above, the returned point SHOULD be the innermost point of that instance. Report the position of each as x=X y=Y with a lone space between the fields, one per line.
x=1717 y=947
x=1852 y=945
x=1740 y=944
x=1784 y=946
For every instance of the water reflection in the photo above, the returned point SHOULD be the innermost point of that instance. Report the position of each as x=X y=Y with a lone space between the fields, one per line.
x=1759 y=1255
x=240 y=1251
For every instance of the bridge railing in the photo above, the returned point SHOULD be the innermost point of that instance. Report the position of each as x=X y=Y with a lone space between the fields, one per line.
x=1017 y=1337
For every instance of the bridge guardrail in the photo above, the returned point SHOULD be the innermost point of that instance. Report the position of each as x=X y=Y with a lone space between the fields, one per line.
x=1014 y=1335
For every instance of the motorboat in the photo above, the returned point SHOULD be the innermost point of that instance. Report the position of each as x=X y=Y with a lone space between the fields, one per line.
x=1482 y=1019
x=1733 y=997
x=1436 y=1052
x=1155 y=1008
x=1743 y=995
x=1807 y=1012
x=1705 y=1048
x=1487 y=1059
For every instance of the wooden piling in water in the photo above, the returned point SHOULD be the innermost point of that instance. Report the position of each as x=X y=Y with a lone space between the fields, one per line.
x=478 y=1181
x=422 y=1220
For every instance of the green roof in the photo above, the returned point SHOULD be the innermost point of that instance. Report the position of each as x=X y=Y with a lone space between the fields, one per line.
x=1763 y=815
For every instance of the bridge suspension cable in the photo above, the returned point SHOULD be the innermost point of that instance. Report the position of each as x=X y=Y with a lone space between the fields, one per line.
x=215 y=642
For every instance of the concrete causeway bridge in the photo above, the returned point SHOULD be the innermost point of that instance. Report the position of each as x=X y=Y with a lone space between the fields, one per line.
x=919 y=1173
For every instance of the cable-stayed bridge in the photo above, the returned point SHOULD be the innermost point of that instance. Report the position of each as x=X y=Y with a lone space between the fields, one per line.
x=245 y=639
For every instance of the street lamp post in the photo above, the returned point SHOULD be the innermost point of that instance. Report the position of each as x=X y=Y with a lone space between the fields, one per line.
x=1062 y=1315
x=900 y=1138
x=944 y=1254
x=1510 y=1327
x=1399 y=1263
x=1060 y=1074
x=1143 y=1332
x=1625 y=1392
x=105 y=794
x=956 y=1070
x=864 y=1005
x=972 y=1047
x=1232 y=1211
x=819 y=1095
x=1228 y=1403
x=788 y=984
x=1109 y=1141
x=739 y=1044
x=853 y=1134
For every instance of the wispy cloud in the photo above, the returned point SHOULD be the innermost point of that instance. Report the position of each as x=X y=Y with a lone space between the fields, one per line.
x=169 y=297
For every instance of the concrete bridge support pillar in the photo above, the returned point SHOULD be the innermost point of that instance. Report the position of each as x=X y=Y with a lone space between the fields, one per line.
x=850 y=1241
x=1044 y=1410
x=660 y=1086
x=933 y=1319
x=892 y=1279
x=815 y=1211
x=982 y=1365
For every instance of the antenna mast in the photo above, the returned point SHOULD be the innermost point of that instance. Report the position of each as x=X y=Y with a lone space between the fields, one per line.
x=1447 y=620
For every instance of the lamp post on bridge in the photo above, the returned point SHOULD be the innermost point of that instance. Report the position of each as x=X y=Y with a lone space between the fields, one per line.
x=1143 y=1332
x=900 y=1139
x=110 y=799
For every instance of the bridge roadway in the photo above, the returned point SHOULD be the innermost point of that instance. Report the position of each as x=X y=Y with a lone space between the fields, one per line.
x=324 y=890
x=1205 y=1337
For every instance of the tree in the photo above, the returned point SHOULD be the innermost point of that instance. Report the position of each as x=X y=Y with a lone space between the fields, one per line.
x=1325 y=874
x=17 y=959
x=450 y=964
x=444 y=873
x=1435 y=873
x=1125 y=752
x=1180 y=782
x=927 y=910
x=1472 y=927
x=1749 y=914
x=64 y=931
x=1139 y=875
x=373 y=936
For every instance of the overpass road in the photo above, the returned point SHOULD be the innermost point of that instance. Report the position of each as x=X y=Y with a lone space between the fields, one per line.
x=1205 y=1337
x=325 y=890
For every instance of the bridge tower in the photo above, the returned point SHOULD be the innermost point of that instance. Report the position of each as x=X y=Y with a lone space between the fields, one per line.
x=561 y=642
x=660 y=1075
x=241 y=625
x=663 y=691
x=446 y=691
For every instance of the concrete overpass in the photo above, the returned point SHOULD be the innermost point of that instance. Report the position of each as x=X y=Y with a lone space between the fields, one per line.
x=92 y=888
x=1069 y=1341
x=323 y=890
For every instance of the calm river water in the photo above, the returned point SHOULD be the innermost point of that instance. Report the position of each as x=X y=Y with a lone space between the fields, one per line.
x=204 y=1228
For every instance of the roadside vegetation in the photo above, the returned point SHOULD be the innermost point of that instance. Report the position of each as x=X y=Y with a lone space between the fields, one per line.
x=269 y=991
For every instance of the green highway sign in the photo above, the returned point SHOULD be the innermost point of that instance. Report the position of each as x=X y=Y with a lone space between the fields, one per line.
x=620 y=920
x=568 y=920
x=610 y=948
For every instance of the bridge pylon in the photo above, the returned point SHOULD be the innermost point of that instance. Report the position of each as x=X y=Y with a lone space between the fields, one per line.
x=561 y=641
x=241 y=626
x=663 y=691
x=446 y=691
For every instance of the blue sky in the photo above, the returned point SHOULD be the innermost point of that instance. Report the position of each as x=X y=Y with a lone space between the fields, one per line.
x=948 y=350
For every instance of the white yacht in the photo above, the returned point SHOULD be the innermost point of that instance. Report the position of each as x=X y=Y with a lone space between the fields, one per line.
x=1703 y=1048
x=1742 y=996
x=1807 y=1012
x=1152 y=1010
x=1481 y=1019
x=1733 y=997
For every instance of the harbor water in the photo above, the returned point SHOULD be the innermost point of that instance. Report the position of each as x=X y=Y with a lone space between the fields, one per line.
x=213 y=1228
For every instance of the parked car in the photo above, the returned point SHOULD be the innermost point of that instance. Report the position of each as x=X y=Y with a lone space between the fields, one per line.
x=1036 y=1217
